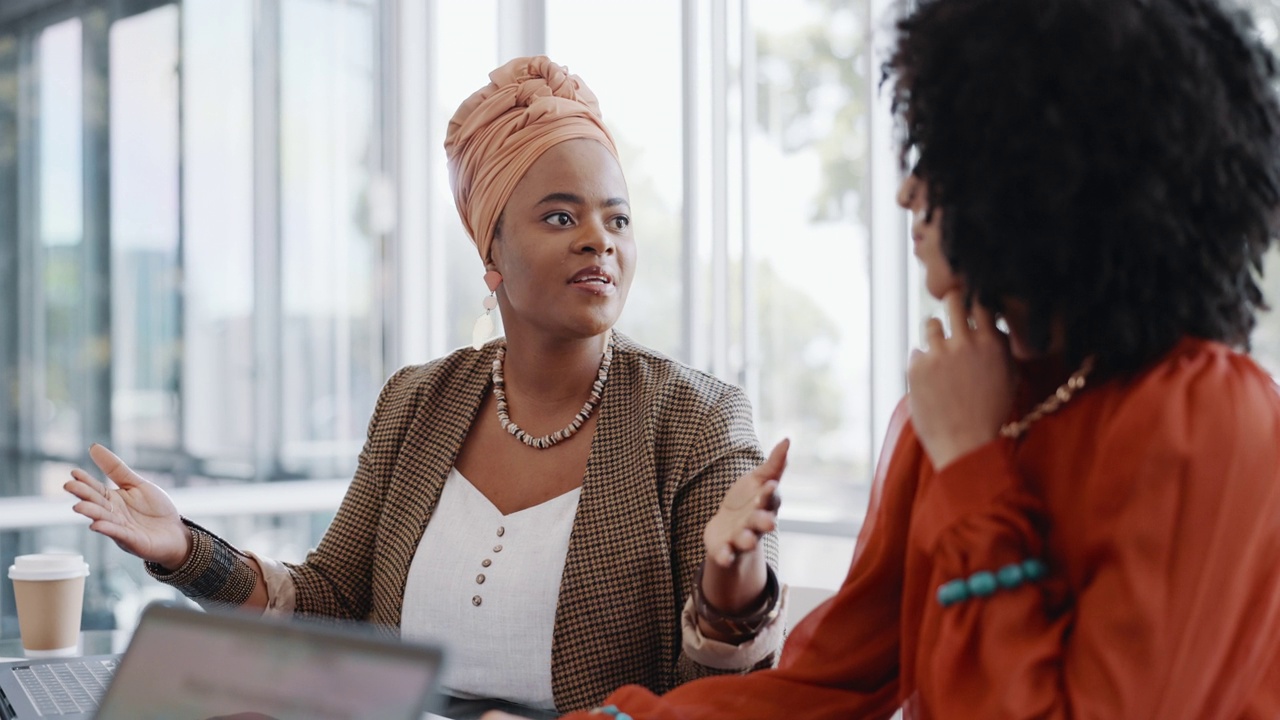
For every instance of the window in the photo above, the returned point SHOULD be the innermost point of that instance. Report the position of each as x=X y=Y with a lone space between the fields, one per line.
x=217 y=393
x=641 y=102
x=1266 y=337
x=455 y=270
x=216 y=270
x=57 y=402
x=200 y=237
x=808 y=219
x=332 y=220
x=145 y=264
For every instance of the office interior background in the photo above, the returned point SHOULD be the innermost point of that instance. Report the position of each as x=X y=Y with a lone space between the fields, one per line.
x=223 y=223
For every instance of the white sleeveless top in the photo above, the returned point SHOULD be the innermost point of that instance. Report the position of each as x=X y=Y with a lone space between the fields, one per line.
x=486 y=586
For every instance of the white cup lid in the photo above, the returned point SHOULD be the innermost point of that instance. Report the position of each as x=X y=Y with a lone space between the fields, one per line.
x=48 y=566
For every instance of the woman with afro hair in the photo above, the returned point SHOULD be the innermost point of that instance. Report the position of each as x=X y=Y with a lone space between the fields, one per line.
x=1077 y=508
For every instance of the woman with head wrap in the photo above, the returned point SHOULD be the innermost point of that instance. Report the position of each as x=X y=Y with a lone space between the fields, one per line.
x=1079 y=517
x=542 y=502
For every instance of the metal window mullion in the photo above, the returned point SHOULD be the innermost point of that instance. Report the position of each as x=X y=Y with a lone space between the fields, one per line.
x=388 y=102
x=182 y=449
x=719 y=190
x=16 y=123
x=750 y=340
x=522 y=28
x=691 y=316
x=268 y=328
x=436 y=278
x=21 y=9
x=890 y=261
x=418 y=273
x=29 y=371
x=11 y=281
x=96 y=247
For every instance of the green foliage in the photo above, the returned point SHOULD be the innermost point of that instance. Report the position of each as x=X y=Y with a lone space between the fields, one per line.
x=813 y=91
x=797 y=348
x=653 y=306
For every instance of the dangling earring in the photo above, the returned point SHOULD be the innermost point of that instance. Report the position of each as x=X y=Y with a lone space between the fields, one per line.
x=483 y=329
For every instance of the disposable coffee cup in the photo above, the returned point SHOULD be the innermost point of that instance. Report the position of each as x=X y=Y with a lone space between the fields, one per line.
x=48 y=590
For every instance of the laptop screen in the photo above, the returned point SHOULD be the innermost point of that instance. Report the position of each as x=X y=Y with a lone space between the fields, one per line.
x=185 y=664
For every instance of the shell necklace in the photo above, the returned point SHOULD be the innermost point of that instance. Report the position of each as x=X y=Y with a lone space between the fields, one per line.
x=1052 y=403
x=555 y=438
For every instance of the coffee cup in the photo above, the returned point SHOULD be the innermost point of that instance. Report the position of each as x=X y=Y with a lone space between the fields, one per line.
x=48 y=590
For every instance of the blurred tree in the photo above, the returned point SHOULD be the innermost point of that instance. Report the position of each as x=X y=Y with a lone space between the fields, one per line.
x=798 y=385
x=812 y=92
x=811 y=97
x=652 y=315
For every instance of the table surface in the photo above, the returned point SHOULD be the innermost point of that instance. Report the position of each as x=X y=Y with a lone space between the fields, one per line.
x=92 y=642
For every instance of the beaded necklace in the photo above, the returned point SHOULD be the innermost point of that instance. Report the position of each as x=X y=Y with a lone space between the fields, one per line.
x=1052 y=403
x=555 y=438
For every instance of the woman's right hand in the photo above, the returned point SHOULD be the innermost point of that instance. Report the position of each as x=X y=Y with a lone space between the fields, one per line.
x=135 y=513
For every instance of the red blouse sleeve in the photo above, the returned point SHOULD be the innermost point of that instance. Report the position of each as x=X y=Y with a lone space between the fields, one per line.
x=1176 y=605
x=841 y=661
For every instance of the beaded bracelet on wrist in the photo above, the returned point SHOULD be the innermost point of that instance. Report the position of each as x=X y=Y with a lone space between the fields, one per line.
x=213 y=573
x=985 y=583
x=743 y=626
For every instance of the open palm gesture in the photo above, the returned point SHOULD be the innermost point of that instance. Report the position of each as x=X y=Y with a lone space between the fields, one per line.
x=130 y=510
x=749 y=510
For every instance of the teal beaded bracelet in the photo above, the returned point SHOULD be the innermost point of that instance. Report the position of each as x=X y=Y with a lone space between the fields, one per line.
x=985 y=583
x=611 y=711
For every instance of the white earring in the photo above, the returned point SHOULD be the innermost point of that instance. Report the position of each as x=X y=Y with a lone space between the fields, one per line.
x=483 y=329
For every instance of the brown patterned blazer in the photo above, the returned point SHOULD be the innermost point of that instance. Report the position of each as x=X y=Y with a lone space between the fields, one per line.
x=668 y=443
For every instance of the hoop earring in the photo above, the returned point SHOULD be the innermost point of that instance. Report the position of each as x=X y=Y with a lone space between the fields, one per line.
x=483 y=329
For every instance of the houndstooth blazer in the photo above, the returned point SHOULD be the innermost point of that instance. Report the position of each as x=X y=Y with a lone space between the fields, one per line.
x=668 y=443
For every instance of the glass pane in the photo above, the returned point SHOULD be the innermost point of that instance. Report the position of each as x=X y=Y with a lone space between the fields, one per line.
x=1266 y=337
x=808 y=198
x=145 y=276
x=60 y=345
x=217 y=197
x=600 y=40
x=329 y=163
x=11 y=273
x=466 y=42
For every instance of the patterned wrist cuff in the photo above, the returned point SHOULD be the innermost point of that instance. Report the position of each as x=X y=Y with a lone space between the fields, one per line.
x=214 y=572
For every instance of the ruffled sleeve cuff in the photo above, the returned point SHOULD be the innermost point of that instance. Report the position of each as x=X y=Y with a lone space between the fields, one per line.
x=727 y=656
x=282 y=593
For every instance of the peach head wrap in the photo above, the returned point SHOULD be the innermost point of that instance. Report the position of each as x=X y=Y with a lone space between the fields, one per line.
x=530 y=105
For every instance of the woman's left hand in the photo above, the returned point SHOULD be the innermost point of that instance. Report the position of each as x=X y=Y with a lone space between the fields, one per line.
x=960 y=387
x=499 y=715
x=735 y=573
x=748 y=510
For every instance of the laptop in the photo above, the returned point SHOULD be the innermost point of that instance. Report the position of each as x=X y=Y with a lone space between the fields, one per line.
x=186 y=664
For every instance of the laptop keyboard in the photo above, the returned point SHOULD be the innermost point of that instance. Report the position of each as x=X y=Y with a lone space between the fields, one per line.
x=66 y=688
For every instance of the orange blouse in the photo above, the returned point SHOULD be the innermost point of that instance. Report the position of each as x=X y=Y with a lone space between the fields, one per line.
x=1154 y=502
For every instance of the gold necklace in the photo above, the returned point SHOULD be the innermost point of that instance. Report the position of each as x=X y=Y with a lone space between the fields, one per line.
x=1052 y=403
